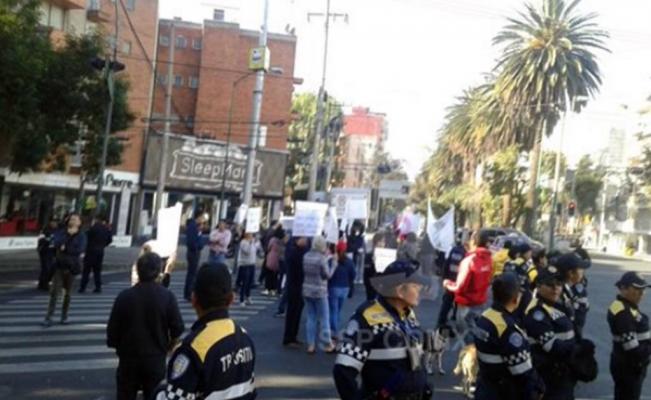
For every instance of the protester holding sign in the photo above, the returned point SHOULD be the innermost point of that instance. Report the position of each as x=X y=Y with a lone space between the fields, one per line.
x=370 y=271
x=249 y=247
x=355 y=242
x=339 y=285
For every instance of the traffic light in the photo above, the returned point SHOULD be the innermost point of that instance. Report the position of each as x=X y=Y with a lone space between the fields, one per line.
x=571 y=209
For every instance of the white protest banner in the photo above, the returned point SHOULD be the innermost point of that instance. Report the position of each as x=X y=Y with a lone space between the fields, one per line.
x=384 y=257
x=240 y=216
x=169 y=223
x=356 y=209
x=331 y=228
x=253 y=217
x=309 y=219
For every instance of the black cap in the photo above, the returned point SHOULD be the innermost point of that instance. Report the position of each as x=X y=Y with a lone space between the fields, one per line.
x=523 y=248
x=632 y=279
x=397 y=273
x=570 y=261
x=549 y=275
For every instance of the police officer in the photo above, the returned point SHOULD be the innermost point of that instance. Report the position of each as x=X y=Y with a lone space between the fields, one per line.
x=575 y=294
x=216 y=360
x=99 y=236
x=522 y=266
x=558 y=355
x=631 y=338
x=505 y=367
x=383 y=342
x=450 y=271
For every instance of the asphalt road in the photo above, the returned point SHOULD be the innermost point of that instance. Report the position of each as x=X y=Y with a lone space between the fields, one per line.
x=72 y=362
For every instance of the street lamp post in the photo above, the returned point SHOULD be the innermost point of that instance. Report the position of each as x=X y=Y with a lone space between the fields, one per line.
x=222 y=193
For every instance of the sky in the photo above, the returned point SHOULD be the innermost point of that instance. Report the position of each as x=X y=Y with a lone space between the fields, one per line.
x=410 y=59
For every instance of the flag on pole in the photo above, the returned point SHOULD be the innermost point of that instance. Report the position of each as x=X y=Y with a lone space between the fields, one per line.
x=441 y=231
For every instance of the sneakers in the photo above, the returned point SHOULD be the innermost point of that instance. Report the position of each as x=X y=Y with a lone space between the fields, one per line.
x=242 y=304
x=248 y=301
x=46 y=323
x=265 y=292
x=64 y=321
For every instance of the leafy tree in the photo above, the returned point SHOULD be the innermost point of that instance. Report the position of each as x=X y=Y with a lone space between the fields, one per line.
x=548 y=164
x=547 y=63
x=589 y=181
x=50 y=95
x=506 y=179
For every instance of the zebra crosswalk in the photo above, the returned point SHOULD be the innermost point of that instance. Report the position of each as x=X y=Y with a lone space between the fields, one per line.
x=27 y=347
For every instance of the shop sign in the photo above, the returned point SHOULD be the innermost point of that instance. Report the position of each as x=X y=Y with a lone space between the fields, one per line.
x=110 y=181
x=121 y=241
x=18 y=243
x=201 y=165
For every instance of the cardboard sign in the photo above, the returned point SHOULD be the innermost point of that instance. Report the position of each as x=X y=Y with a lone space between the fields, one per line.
x=356 y=209
x=240 y=216
x=309 y=219
x=169 y=223
x=253 y=217
x=331 y=228
x=384 y=257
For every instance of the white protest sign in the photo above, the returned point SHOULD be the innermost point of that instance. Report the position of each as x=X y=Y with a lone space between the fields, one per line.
x=240 y=216
x=309 y=219
x=169 y=222
x=331 y=228
x=384 y=257
x=356 y=209
x=253 y=217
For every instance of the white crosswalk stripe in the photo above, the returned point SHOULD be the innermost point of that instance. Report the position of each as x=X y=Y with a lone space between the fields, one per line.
x=27 y=347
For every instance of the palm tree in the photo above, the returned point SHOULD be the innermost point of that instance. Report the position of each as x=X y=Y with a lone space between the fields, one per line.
x=548 y=62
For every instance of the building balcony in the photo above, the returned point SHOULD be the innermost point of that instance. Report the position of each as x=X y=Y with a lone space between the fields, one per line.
x=95 y=13
x=69 y=4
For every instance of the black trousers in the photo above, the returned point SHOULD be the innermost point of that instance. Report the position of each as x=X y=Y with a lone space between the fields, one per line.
x=192 y=257
x=447 y=301
x=47 y=263
x=92 y=262
x=369 y=272
x=271 y=280
x=142 y=373
x=628 y=380
x=293 y=316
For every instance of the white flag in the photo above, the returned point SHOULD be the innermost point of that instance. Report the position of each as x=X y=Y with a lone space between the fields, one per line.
x=431 y=220
x=443 y=232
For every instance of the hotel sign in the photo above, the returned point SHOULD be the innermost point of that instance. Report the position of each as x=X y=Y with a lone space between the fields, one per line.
x=200 y=165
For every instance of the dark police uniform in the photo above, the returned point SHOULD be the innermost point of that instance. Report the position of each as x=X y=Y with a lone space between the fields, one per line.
x=385 y=346
x=505 y=367
x=551 y=333
x=575 y=300
x=631 y=348
x=450 y=271
x=98 y=237
x=215 y=361
x=526 y=273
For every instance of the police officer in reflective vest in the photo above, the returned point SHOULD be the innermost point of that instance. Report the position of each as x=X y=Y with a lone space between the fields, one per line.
x=575 y=294
x=383 y=341
x=631 y=338
x=505 y=368
x=558 y=355
x=216 y=360
x=522 y=266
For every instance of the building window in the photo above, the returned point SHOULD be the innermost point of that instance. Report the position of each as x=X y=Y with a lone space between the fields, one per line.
x=131 y=5
x=126 y=47
x=262 y=138
x=164 y=40
x=56 y=17
x=196 y=44
x=181 y=42
x=110 y=41
x=218 y=14
x=193 y=82
x=178 y=81
x=162 y=79
x=189 y=121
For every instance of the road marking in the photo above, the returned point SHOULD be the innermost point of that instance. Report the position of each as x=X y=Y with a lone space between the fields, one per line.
x=88 y=309
x=59 y=365
x=52 y=338
x=54 y=350
x=90 y=318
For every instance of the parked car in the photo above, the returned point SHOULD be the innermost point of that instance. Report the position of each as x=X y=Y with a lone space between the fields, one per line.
x=513 y=235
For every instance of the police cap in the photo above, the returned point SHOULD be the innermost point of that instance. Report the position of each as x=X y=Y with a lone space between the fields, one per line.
x=570 y=261
x=632 y=279
x=397 y=273
x=549 y=275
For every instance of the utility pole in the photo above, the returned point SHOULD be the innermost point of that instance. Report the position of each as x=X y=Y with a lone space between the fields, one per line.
x=333 y=130
x=247 y=194
x=109 y=68
x=557 y=172
x=162 y=173
x=320 y=105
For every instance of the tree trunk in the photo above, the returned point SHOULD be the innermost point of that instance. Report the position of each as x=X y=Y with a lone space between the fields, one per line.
x=507 y=209
x=532 y=198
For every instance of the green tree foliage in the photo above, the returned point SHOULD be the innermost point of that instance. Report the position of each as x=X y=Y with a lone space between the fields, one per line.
x=48 y=94
x=548 y=61
x=589 y=181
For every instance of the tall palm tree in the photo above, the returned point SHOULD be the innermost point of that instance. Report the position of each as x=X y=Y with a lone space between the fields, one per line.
x=548 y=61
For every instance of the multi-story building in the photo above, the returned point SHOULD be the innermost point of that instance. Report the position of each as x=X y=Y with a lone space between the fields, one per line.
x=34 y=197
x=364 y=134
x=212 y=95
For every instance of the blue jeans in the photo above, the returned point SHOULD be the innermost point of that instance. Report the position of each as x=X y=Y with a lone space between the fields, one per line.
x=247 y=272
x=216 y=258
x=317 y=313
x=336 y=298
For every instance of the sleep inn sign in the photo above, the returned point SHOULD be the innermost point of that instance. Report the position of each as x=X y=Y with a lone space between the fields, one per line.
x=198 y=165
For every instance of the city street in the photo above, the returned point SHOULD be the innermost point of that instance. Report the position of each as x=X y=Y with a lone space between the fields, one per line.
x=73 y=362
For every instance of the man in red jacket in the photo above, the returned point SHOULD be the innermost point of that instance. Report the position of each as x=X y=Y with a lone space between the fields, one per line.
x=472 y=284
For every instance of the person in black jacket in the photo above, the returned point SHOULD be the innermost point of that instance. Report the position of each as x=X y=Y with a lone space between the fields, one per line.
x=145 y=324
x=46 y=254
x=295 y=251
x=99 y=237
x=69 y=246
